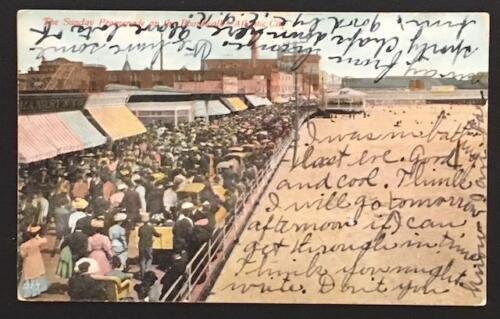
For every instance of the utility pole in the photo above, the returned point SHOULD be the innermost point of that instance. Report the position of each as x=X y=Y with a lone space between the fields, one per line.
x=206 y=97
x=161 y=51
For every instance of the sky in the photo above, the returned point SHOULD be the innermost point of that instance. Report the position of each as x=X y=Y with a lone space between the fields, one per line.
x=440 y=29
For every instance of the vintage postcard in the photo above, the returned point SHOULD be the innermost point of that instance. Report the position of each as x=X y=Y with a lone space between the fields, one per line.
x=252 y=157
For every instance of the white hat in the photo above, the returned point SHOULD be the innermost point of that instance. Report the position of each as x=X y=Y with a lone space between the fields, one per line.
x=93 y=268
x=121 y=186
x=187 y=205
x=120 y=217
x=206 y=203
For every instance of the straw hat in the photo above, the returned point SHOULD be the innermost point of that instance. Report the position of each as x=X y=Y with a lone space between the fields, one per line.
x=33 y=229
x=144 y=217
x=80 y=203
x=97 y=223
x=120 y=217
x=125 y=172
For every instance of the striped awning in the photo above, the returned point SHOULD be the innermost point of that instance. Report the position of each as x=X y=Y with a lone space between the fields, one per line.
x=82 y=128
x=215 y=107
x=42 y=136
x=32 y=145
x=117 y=121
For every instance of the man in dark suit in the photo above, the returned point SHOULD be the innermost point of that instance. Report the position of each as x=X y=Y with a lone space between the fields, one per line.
x=95 y=187
x=146 y=233
x=155 y=199
x=183 y=228
x=132 y=204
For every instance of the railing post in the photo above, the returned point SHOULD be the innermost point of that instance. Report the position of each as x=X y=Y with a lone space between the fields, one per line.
x=224 y=237
x=209 y=253
x=189 y=272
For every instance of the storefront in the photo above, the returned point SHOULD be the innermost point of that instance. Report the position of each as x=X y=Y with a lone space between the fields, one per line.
x=164 y=112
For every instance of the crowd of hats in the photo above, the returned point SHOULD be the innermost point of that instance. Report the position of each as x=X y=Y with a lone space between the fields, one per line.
x=165 y=158
x=164 y=155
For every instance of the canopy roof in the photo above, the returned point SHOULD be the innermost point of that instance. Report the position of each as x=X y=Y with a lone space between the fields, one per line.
x=235 y=104
x=33 y=145
x=256 y=100
x=82 y=128
x=279 y=99
x=117 y=121
x=214 y=107
x=42 y=136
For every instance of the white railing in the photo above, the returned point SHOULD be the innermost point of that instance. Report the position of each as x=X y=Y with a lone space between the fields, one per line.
x=234 y=226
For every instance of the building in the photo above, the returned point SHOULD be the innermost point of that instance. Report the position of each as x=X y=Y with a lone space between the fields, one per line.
x=415 y=83
x=308 y=71
x=227 y=85
x=262 y=77
x=64 y=75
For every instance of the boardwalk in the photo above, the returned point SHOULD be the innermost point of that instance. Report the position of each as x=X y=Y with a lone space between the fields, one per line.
x=294 y=246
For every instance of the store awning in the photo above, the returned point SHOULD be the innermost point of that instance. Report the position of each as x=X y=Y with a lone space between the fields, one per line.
x=235 y=104
x=32 y=145
x=82 y=128
x=266 y=101
x=43 y=136
x=117 y=121
x=215 y=107
x=255 y=100
x=279 y=99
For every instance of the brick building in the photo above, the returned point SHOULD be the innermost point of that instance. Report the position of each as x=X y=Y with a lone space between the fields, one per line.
x=263 y=77
x=64 y=75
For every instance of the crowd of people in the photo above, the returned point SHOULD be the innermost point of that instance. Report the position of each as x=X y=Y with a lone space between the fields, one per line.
x=95 y=198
